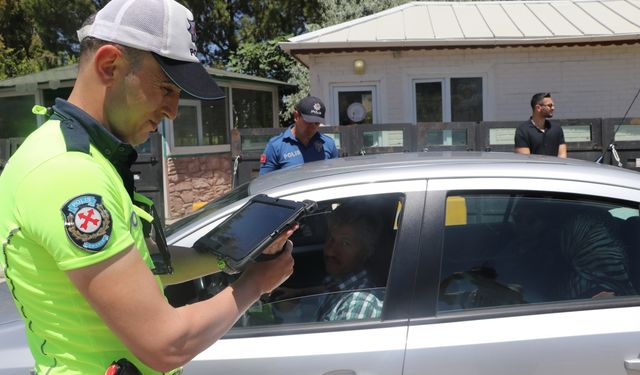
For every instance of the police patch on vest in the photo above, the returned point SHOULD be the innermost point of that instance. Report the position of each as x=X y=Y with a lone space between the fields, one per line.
x=87 y=222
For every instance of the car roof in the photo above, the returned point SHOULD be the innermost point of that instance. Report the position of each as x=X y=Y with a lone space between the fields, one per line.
x=445 y=164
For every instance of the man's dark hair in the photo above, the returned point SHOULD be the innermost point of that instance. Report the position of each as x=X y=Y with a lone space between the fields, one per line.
x=537 y=98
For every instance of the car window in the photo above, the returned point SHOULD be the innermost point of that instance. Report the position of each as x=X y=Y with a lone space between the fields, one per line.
x=513 y=249
x=342 y=256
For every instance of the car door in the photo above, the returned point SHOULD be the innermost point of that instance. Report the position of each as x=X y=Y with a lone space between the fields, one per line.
x=272 y=339
x=520 y=281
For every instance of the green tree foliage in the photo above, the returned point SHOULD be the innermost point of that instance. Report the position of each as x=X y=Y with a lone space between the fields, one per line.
x=267 y=60
x=39 y=34
x=338 y=11
x=263 y=59
x=241 y=35
x=216 y=26
x=223 y=25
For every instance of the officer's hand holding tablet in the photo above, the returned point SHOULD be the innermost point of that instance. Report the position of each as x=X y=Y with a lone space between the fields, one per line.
x=254 y=232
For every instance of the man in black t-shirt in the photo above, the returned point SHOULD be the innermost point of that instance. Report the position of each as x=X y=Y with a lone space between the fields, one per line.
x=538 y=135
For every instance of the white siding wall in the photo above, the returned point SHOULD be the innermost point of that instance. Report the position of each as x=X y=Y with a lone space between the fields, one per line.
x=584 y=81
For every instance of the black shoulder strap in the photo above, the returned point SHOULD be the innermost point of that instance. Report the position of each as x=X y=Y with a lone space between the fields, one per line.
x=75 y=136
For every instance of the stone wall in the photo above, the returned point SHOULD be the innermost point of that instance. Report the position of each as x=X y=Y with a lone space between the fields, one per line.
x=196 y=179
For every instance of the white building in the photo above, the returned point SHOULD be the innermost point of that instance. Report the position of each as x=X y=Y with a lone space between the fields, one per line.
x=477 y=61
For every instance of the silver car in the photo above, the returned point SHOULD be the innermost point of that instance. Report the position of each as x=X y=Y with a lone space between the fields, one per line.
x=483 y=263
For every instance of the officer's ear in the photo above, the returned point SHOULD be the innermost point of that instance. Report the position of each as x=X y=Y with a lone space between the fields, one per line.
x=108 y=62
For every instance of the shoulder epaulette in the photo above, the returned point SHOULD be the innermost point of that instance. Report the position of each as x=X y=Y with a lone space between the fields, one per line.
x=75 y=136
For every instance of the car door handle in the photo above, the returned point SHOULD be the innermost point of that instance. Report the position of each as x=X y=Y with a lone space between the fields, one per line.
x=632 y=364
x=340 y=372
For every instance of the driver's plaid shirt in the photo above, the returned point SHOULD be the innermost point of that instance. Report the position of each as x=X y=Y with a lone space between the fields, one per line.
x=341 y=304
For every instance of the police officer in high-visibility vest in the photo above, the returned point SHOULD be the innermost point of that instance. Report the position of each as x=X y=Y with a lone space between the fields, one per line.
x=301 y=142
x=73 y=249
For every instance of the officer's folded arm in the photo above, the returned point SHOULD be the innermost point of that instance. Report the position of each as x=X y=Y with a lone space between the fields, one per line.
x=124 y=292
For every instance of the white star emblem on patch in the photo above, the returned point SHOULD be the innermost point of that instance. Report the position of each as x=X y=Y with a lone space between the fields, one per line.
x=317 y=106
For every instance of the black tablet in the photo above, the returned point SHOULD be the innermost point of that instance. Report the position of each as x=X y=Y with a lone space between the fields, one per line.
x=243 y=236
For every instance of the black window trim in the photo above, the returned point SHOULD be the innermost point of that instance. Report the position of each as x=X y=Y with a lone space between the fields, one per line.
x=399 y=291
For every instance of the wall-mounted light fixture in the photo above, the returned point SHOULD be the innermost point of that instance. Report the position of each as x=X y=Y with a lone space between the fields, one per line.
x=358 y=66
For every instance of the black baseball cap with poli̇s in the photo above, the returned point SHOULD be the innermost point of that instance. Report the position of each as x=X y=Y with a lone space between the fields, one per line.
x=311 y=109
x=162 y=27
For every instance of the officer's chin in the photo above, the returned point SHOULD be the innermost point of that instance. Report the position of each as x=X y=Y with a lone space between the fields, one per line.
x=138 y=142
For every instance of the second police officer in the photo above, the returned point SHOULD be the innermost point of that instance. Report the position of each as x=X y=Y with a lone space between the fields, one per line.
x=302 y=142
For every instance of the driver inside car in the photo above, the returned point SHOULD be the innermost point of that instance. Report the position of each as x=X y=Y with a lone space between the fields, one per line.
x=351 y=242
x=348 y=292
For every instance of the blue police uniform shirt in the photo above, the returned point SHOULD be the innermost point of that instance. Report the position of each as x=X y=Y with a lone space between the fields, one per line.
x=285 y=151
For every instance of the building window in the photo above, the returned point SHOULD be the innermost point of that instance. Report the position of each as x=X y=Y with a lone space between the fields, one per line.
x=16 y=119
x=449 y=99
x=200 y=126
x=49 y=95
x=252 y=108
x=205 y=126
x=355 y=104
x=187 y=126
x=466 y=99
x=429 y=101
x=215 y=121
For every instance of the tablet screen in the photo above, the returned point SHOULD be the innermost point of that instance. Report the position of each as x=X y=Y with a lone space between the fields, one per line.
x=246 y=229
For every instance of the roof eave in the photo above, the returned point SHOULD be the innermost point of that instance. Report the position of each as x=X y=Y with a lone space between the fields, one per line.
x=67 y=74
x=293 y=47
x=300 y=51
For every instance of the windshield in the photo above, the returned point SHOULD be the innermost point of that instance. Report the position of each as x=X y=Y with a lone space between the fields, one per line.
x=234 y=195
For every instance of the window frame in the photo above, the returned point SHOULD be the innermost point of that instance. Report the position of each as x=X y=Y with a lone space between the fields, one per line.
x=190 y=150
x=446 y=99
x=36 y=90
x=167 y=125
x=336 y=89
x=244 y=86
x=432 y=241
x=397 y=302
x=446 y=94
